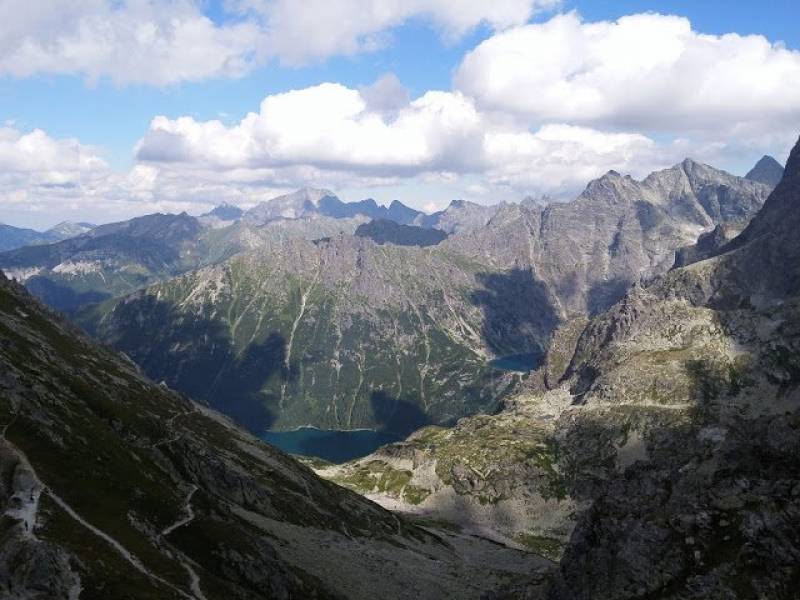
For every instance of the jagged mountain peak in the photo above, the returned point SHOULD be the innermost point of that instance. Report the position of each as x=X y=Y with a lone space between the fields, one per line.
x=767 y=170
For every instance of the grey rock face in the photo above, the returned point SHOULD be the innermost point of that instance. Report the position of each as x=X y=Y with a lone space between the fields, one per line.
x=706 y=353
x=316 y=202
x=708 y=244
x=459 y=216
x=767 y=170
x=618 y=231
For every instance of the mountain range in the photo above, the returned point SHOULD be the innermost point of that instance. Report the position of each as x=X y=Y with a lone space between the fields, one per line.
x=344 y=333
x=17 y=237
x=652 y=453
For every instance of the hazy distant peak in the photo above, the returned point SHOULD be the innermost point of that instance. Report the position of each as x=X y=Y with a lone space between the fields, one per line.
x=225 y=212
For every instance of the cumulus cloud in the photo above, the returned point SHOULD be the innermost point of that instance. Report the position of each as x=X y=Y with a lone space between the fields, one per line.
x=36 y=159
x=539 y=108
x=331 y=132
x=169 y=41
x=646 y=71
x=133 y=41
x=315 y=29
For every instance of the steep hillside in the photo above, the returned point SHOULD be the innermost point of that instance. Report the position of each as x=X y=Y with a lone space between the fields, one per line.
x=341 y=333
x=114 y=487
x=116 y=259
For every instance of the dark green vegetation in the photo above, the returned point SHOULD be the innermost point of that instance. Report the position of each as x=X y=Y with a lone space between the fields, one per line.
x=114 y=487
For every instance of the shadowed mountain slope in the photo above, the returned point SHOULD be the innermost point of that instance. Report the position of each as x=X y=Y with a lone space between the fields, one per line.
x=113 y=487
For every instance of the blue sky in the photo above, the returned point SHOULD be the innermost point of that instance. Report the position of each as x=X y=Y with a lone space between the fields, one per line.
x=89 y=106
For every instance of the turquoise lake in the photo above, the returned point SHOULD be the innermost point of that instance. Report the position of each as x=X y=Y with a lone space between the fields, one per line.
x=335 y=446
x=521 y=363
x=339 y=446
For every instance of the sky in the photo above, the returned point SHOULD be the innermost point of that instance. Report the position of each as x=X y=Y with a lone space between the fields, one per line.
x=116 y=108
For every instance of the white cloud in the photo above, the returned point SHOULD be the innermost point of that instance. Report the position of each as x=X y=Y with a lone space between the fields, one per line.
x=330 y=133
x=386 y=95
x=36 y=159
x=646 y=71
x=299 y=32
x=169 y=41
x=133 y=41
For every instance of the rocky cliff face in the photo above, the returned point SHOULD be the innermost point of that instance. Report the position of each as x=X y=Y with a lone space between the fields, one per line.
x=657 y=459
x=617 y=232
x=114 y=487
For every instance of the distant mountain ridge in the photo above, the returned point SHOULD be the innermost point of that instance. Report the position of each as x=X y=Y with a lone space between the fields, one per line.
x=311 y=201
x=331 y=333
x=16 y=237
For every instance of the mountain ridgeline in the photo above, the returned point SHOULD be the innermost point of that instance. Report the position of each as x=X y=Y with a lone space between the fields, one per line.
x=341 y=332
x=12 y=238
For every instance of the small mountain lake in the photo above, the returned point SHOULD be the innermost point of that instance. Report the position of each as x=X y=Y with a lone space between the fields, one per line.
x=333 y=445
x=520 y=363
